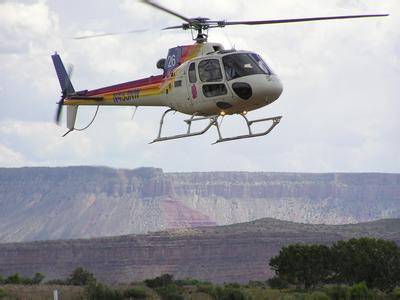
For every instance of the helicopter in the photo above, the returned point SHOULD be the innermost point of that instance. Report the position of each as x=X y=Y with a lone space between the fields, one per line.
x=202 y=80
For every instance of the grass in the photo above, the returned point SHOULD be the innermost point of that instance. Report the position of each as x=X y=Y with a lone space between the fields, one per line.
x=198 y=291
x=41 y=292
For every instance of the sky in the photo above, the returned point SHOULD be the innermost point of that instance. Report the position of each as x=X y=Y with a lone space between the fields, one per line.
x=340 y=105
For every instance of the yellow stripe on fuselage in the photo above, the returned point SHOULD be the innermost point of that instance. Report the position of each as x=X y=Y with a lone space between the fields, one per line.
x=126 y=96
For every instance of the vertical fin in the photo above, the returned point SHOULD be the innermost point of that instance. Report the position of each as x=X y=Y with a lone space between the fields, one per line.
x=63 y=77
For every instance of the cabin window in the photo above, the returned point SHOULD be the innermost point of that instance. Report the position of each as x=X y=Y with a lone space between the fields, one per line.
x=209 y=70
x=213 y=90
x=192 y=73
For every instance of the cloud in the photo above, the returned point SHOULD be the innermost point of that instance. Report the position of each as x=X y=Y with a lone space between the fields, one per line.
x=339 y=106
x=10 y=158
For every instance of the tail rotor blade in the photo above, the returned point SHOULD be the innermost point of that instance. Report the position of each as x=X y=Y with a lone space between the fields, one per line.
x=59 y=109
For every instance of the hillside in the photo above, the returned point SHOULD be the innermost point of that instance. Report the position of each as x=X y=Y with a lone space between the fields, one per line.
x=86 y=202
x=219 y=254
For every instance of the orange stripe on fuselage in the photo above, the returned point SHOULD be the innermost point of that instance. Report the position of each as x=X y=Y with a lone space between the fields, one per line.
x=148 y=82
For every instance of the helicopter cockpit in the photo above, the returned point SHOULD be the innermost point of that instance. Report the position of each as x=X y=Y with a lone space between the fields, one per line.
x=238 y=65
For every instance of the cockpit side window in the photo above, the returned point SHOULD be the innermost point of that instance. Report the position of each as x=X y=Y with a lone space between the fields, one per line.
x=261 y=63
x=241 y=64
x=210 y=70
x=192 y=73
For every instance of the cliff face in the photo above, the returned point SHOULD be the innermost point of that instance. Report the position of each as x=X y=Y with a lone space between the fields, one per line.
x=85 y=202
x=237 y=253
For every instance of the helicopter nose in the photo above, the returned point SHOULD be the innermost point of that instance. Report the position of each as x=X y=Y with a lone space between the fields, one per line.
x=273 y=89
x=258 y=88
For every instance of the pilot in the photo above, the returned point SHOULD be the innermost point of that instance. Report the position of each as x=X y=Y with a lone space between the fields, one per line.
x=230 y=70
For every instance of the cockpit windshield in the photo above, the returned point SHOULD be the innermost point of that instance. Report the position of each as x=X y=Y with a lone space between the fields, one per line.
x=244 y=64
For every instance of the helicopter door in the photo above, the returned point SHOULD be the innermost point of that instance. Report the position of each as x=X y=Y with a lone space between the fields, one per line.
x=212 y=83
x=193 y=87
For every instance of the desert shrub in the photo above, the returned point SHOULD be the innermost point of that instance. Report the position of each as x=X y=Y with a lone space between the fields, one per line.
x=207 y=289
x=255 y=283
x=233 y=293
x=277 y=283
x=80 y=277
x=13 y=279
x=170 y=292
x=38 y=278
x=98 y=291
x=396 y=293
x=159 y=281
x=358 y=291
x=375 y=294
x=189 y=281
x=135 y=293
x=232 y=285
x=337 y=292
x=3 y=294
x=17 y=279
x=318 y=296
x=56 y=282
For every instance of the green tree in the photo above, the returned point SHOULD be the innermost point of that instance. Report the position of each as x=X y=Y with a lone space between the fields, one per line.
x=303 y=265
x=373 y=261
x=80 y=277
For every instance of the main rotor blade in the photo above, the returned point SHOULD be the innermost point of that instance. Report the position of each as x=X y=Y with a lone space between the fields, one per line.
x=173 y=27
x=97 y=35
x=300 y=20
x=149 y=2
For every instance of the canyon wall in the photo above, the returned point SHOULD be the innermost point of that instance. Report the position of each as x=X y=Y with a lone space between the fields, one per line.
x=87 y=202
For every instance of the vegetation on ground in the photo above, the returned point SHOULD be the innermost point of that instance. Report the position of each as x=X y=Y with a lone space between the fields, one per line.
x=357 y=269
x=375 y=262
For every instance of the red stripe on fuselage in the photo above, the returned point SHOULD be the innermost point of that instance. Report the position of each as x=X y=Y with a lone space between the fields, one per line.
x=125 y=85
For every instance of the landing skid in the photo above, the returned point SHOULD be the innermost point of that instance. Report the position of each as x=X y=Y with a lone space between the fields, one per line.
x=213 y=121
x=275 y=121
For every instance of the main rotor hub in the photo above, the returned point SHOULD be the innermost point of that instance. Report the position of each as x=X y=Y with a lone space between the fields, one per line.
x=198 y=24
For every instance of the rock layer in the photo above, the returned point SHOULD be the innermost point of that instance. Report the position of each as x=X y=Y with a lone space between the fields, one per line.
x=234 y=253
x=86 y=202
